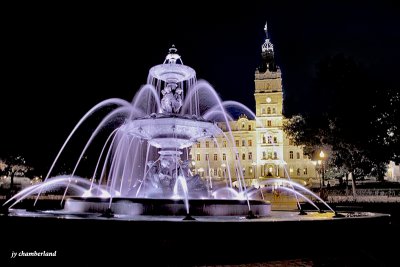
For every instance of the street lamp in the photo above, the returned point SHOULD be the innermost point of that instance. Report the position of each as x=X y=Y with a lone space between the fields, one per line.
x=322 y=156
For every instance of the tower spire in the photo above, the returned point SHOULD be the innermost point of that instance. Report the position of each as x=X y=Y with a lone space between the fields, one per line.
x=267 y=45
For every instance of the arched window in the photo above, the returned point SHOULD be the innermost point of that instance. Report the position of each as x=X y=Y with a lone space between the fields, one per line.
x=291 y=154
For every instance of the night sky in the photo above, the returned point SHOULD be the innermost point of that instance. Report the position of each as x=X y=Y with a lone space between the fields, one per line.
x=59 y=61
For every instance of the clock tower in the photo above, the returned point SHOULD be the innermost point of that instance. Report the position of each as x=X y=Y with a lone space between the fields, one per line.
x=269 y=104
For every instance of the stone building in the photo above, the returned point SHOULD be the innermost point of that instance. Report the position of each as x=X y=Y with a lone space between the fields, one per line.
x=262 y=148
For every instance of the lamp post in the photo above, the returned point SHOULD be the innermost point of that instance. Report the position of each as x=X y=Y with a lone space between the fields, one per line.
x=322 y=156
x=194 y=166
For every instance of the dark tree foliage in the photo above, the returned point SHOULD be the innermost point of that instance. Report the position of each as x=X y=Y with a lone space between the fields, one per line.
x=354 y=114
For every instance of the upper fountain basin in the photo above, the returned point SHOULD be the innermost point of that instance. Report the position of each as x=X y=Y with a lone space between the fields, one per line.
x=171 y=130
x=172 y=73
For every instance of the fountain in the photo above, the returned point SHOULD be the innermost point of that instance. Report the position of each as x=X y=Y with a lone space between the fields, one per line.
x=143 y=180
x=144 y=166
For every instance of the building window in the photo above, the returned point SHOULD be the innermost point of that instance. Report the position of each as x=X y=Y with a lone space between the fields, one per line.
x=269 y=139
x=305 y=171
x=264 y=139
x=215 y=156
x=207 y=144
x=243 y=142
x=215 y=144
x=198 y=145
x=264 y=155
x=268 y=110
x=270 y=154
x=273 y=111
x=291 y=170
x=298 y=155
x=224 y=143
x=291 y=154
x=250 y=155
x=263 y=110
x=275 y=140
x=215 y=172
x=237 y=143
x=236 y=156
x=290 y=142
x=243 y=156
x=243 y=125
x=249 y=127
x=269 y=123
x=250 y=142
x=298 y=171
x=224 y=156
x=275 y=155
x=207 y=156
x=198 y=156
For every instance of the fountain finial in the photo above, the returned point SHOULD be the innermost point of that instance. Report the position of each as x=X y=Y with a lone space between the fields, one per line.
x=173 y=56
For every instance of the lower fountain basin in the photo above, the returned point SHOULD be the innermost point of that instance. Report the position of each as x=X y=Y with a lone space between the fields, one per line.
x=154 y=206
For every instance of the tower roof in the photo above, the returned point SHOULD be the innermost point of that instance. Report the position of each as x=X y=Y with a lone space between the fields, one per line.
x=267 y=45
x=267 y=53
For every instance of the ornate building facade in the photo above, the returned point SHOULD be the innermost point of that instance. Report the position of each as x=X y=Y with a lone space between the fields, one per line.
x=262 y=148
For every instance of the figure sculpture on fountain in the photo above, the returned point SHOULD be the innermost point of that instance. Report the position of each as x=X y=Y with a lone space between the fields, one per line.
x=171 y=101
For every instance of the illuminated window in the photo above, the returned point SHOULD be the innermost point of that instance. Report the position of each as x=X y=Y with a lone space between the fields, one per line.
x=215 y=156
x=197 y=156
x=305 y=171
x=207 y=144
x=291 y=154
x=291 y=170
x=250 y=142
x=224 y=156
x=250 y=155
x=237 y=142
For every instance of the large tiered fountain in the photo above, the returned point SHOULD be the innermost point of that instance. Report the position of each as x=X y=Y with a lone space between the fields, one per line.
x=145 y=191
x=144 y=168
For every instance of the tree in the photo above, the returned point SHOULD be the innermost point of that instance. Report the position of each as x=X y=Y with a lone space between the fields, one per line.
x=11 y=166
x=351 y=116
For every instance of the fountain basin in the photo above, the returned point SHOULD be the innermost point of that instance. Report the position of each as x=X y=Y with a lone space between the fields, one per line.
x=154 y=206
x=171 y=132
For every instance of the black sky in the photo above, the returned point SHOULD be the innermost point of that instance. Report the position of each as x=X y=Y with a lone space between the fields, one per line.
x=59 y=61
